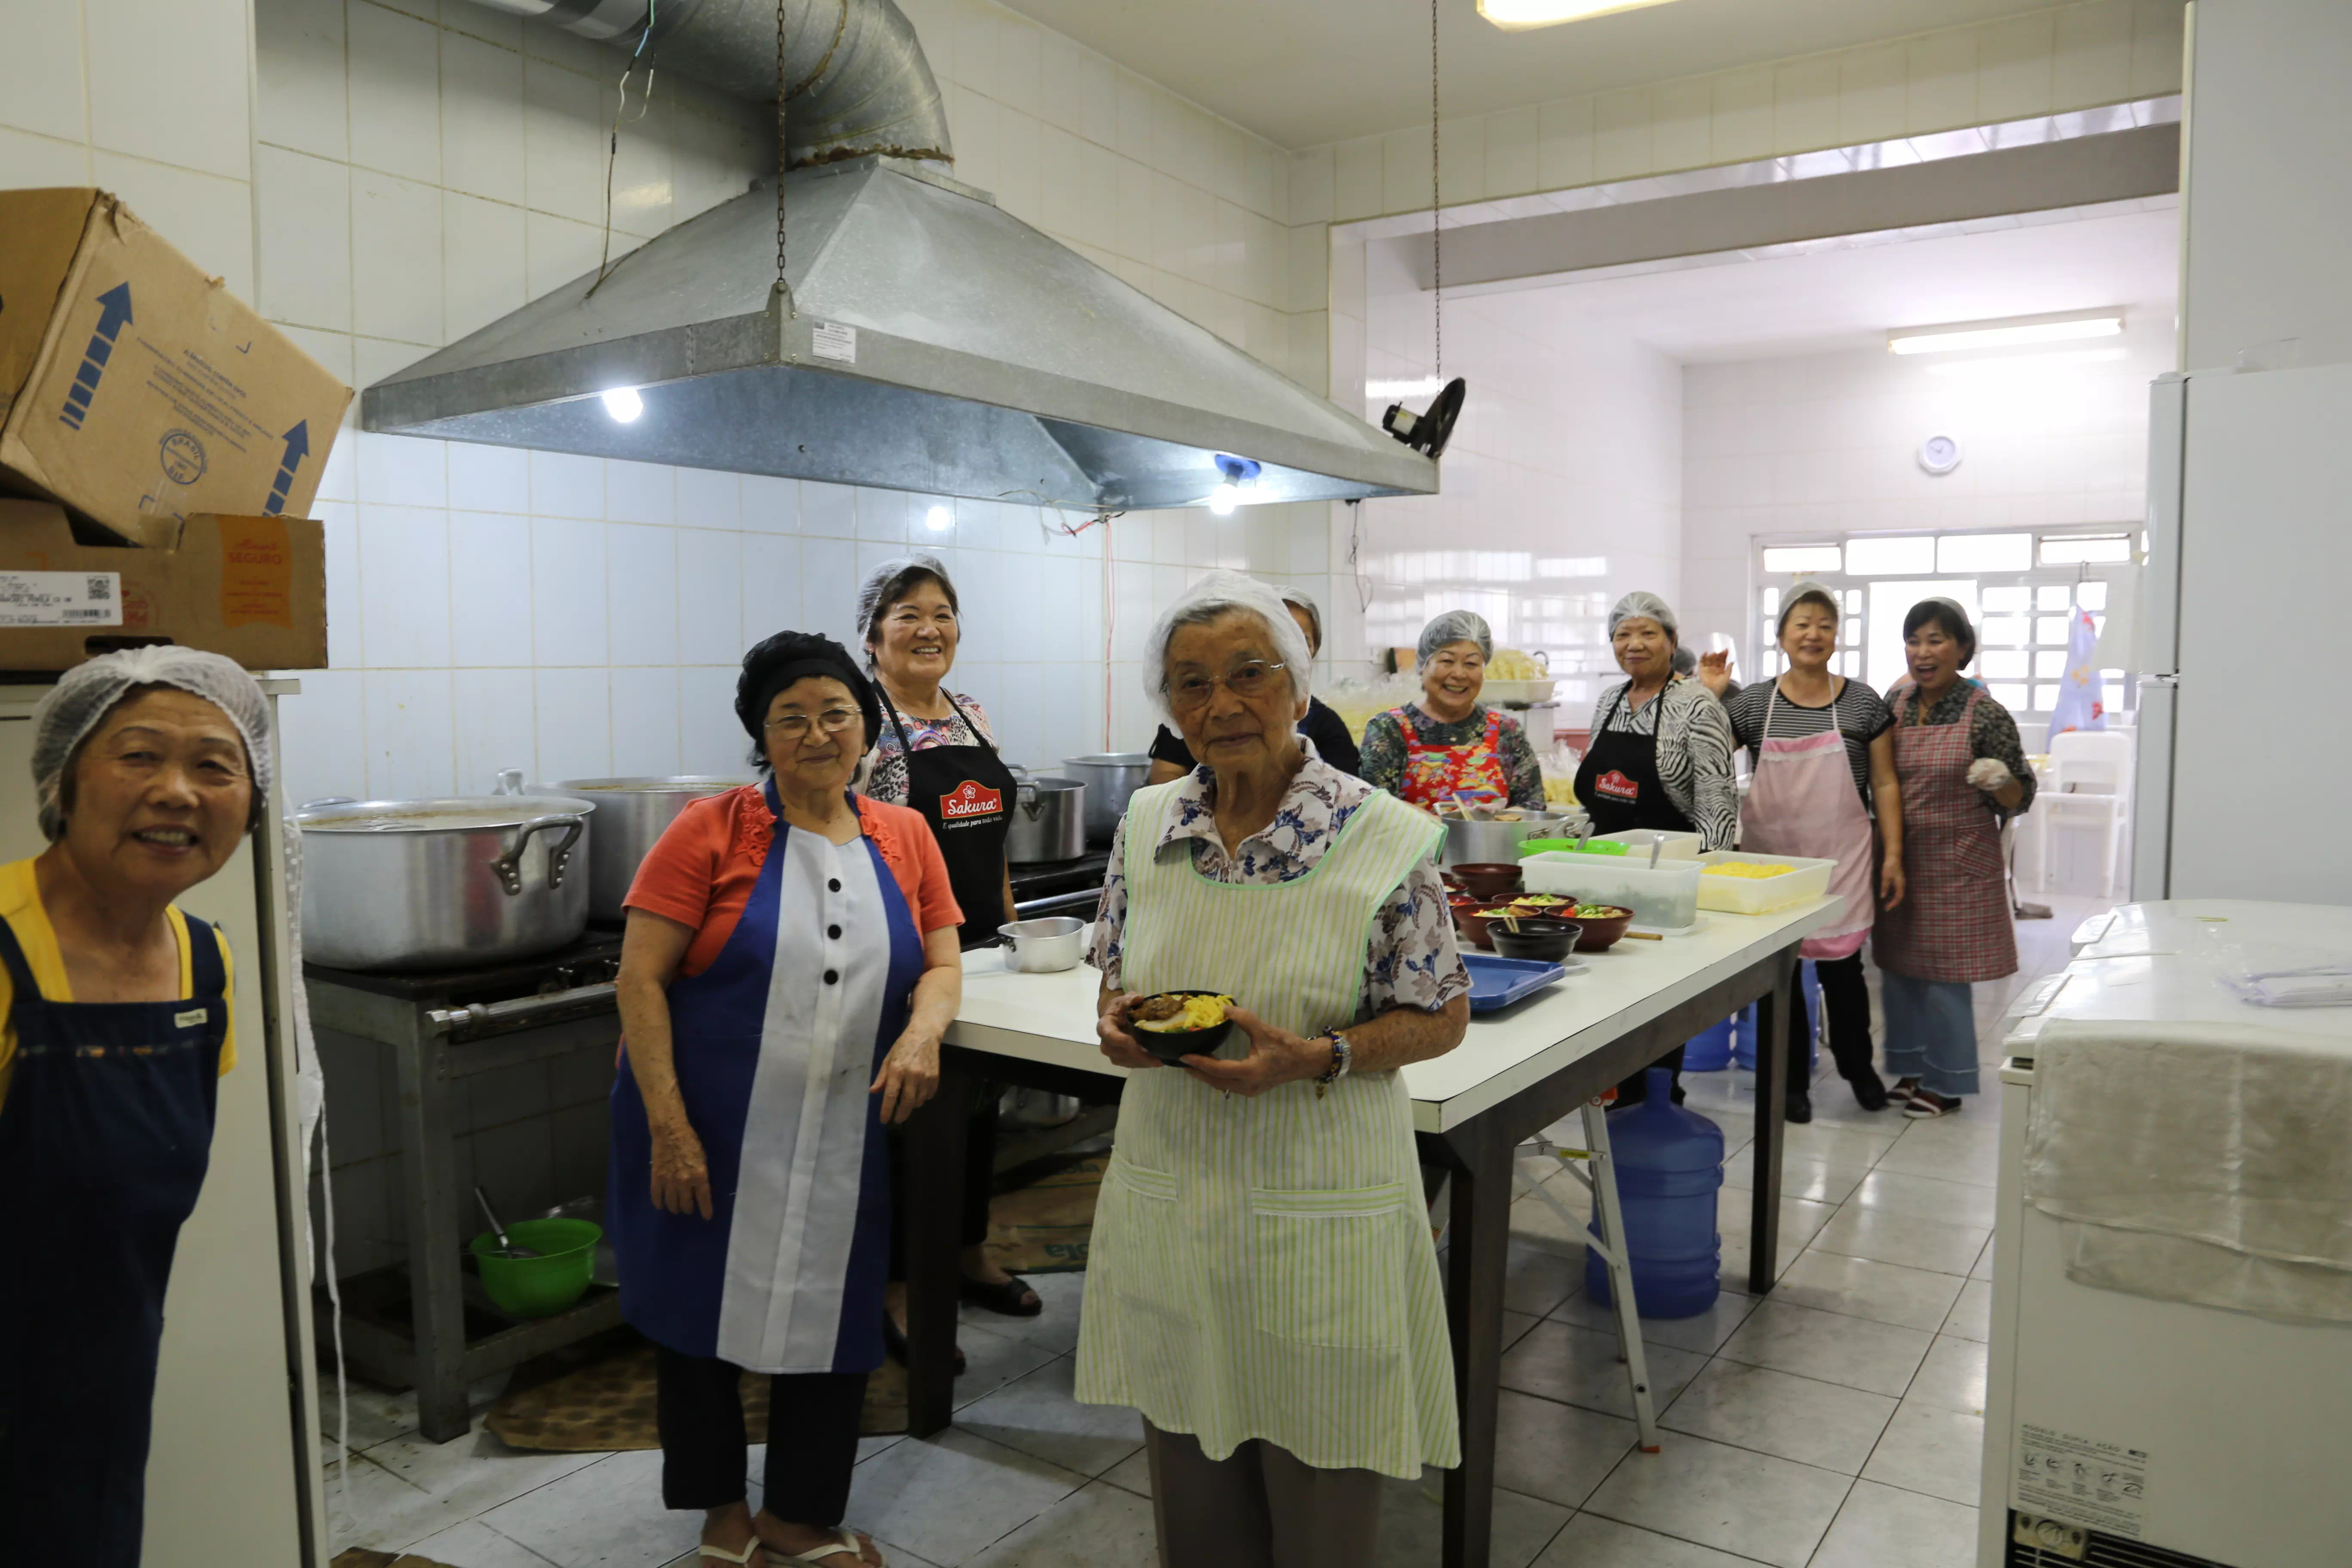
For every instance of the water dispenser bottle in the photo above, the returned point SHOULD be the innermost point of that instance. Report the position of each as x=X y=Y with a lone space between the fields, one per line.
x=1743 y=1048
x=1669 y=1166
x=1709 y=1050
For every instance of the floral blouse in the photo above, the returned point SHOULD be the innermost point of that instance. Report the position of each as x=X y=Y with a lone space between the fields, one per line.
x=1411 y=961
x=1384 y=748
x=888 y=780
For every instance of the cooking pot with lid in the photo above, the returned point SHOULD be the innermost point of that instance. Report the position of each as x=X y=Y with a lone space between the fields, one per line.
x=631 y=815
x=429 y=884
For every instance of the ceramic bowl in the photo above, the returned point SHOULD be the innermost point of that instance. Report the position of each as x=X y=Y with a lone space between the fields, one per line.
x=1602 y=934
x=1171 y=1047
x=1495 y=879
x=1538 y=937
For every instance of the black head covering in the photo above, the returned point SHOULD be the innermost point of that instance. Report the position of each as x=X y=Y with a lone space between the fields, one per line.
x=788 y=656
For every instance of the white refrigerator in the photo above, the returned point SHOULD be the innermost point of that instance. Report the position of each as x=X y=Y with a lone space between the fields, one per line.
x=2244 y=757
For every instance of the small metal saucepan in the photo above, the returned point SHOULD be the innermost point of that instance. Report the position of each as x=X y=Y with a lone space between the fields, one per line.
x=1043 y=946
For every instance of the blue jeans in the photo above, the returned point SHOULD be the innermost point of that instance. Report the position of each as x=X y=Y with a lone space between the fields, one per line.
x=1931 y=1032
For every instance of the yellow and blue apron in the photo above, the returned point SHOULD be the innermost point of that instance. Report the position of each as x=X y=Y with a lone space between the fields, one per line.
x=104 y=1139
x=776 y=1045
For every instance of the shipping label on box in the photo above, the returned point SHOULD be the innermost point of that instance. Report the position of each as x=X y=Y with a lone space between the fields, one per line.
x=135 y=387
x=60 y=598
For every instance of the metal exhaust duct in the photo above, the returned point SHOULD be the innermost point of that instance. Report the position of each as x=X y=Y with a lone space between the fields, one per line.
x=928 y=340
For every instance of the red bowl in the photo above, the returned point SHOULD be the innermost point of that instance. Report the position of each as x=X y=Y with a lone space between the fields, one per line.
x=1494 y=881
x=1602 y=933
x=1472 y=925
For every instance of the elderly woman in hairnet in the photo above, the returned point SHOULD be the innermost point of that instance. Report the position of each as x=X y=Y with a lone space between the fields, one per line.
x=1262 y=1284
x=1171 y=759
x=151 y=766
x=1449 y=742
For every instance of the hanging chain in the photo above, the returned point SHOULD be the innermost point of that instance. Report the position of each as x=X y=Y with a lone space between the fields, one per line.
x=1436 y=225
x=784 y=152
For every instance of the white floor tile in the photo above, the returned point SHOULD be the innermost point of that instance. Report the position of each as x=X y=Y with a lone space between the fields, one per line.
x=1952 y=1377
x=1038 y=1415
x=1412 y=1518
x=1912 y=1240
x=1839 y=1145
x=1826 y=1424
x=1055 y=1328
x=1882 y=1292
x=473 y=1545
x=1537 y=1281
x=1098 y=1526
x=604 y=1515
x=1702 y=1332
x=1971 y=1315
x=992 y=1360
x=1983 y=1269
x=1815 y=1180
x=1878 y=1357
x=1972 y=1161
x=369 y=1506
x=1954 y=1203
x=1133 y=1474
x=942 y=1497
x=1579 y=1366
x=1556 y=1452
x=1926 y=1449
x=1771 y=1510
x=1882 y=1527
x=1593 y=1542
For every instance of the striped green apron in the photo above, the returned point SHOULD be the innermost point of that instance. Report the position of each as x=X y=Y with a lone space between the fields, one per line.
x=1263 y=1268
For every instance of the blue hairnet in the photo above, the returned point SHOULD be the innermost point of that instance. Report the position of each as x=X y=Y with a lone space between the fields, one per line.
x=1455 y=625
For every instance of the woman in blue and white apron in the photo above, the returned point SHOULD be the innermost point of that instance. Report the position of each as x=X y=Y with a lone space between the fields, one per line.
x=151 y=766
x=789 y=966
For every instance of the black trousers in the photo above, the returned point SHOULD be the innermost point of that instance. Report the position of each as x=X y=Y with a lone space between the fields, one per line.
x=979 y=1177
x=1846 y=1008
x=813 y=1419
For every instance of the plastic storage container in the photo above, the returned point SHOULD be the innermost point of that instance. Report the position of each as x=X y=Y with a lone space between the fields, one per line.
x=1677 y=846
x=1762 y=895
x=1666 y=899
x=1743 y=1043
x=1669 y=1168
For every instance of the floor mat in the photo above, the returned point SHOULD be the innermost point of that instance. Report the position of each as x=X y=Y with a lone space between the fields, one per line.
x=1044 y=1227
x=608 y=1405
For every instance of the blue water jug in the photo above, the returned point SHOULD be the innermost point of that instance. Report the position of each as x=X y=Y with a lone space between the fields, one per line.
x=1743 y=1047
x=1669 y=1166
x=1709 y=1050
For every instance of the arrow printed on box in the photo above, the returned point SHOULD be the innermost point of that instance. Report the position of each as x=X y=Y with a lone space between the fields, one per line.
x=113 y=314
x=298 y=447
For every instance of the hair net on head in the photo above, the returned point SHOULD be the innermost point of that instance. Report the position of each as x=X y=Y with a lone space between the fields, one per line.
x=1455 y=625
x=1805 y=592
x=1305 y=601
x=88 y=693
x=788 y=656
x=1686 y=660
x=1648 y=606
x=1220 y=594
x=1956 y=624
x=892 y=580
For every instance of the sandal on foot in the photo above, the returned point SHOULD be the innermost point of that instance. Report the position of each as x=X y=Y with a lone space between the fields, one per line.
x=1927 y=1102
x=1014 y=1298
x=815 y=1558
x=894 y=1345
x=742 y=1558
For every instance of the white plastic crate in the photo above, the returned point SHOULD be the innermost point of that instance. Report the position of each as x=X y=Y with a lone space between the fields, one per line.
x=1666 y=898
x=1762 y=895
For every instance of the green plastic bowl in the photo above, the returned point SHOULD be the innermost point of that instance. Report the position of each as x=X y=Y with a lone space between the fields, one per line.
x=536 y=1287
x=1567 y=845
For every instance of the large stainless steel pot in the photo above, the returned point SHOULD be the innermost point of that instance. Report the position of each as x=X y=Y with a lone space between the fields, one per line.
x=1477 y=843
x=1049 y=822
x=1110 y=777
x=631 y=814
x=428 y=884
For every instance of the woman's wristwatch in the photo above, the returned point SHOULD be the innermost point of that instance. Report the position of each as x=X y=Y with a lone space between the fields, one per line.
x=1342 y=1057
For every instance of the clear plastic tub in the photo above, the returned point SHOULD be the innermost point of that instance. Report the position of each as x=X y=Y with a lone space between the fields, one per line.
x=1762 y=895
x=1665 y=899
x=1678 y=845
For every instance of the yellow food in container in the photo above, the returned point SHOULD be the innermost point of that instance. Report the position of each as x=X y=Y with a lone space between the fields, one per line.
x=1200 y=1013
x=1747 y=869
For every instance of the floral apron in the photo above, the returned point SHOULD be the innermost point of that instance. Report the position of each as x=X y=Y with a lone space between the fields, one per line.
x=1436 y=774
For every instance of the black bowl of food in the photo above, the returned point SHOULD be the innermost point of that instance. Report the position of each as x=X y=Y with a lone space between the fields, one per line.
x=1540 y=937
x=1172 y=1024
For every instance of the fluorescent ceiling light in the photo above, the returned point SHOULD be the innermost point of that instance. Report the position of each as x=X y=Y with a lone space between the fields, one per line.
x=1943 y=340
x=1518 y=15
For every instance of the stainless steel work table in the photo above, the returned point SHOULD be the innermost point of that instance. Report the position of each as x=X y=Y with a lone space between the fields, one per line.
x=1517 y=1072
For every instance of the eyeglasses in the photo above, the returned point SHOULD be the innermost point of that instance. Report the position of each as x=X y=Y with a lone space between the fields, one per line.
x=832 y=721
x=1247 y=682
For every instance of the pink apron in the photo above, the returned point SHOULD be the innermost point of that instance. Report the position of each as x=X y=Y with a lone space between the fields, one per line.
x=1953 y=924
x=1802 y=802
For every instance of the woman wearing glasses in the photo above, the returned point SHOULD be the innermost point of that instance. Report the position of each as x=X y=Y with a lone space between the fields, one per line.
x=1262 y=1284
x=1449 y=742
x=789 y=966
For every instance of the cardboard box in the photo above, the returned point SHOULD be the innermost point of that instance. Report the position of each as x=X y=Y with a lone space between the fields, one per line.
x=133 y=387
x=254 y=588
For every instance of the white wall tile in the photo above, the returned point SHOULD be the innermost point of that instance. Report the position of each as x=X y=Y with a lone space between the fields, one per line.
x=644 y=722
x=640 y=492
x=641 y=570
x=2092 y=54
x=1621 y=134
x=411 y=733
x=770 y=505
x=306 y=239
x=710 y=595
x=401 y=471
x=564 y=173
x=489 y=588
x=172 y=86
x=828 y=584
x=709 y=498
x=710 y=741
x=29 y=160
x=395 y=93
x=566 y=485
x=396 y=259
x=488 y=478
x=773 y=583
x=2016 y=63
x=44 y=72
x=207 y=217
x=322 y=736
x=485 y=263
x=404 y=575
x=574 y=723
x=568 y=592
x=482 y=148
x=496 y=726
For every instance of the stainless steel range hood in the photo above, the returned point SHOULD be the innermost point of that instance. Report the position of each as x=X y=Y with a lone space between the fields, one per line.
x=929 y=342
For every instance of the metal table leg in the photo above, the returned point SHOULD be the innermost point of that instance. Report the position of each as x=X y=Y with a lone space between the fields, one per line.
x=1612 y=1216
x=435 y=1274
x=935 y=1151
x=1771 y=1113
x=1477 y=1264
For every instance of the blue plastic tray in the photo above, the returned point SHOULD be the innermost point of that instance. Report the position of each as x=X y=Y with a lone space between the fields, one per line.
x=1499 y=982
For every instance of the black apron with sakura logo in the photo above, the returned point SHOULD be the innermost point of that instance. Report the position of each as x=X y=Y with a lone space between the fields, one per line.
x=966 y=795
x=1618 y=787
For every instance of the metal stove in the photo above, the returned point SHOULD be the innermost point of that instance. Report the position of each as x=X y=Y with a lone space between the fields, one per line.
x=1060 y=886
x=434 y=1330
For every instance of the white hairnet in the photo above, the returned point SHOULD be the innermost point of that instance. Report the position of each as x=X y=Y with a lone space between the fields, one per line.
x=1455 y=625
x=1647 y=605
x=879 y=582
x=1805 y=591
x=1218 y=593
x=88 y=693
x=1306 y=601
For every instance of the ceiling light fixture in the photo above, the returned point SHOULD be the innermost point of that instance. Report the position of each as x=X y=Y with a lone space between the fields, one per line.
x=1237 y=472
x=1943 y=340
x=1518 y=15
x=623 y=404
x=2016 y=365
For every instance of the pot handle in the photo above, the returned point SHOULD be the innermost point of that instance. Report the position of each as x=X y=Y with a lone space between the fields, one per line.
x=509 y=865
x=1026 y=797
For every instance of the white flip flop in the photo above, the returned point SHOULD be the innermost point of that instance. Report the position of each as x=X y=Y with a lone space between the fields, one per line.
x=843 y=1540
x=720 y=1554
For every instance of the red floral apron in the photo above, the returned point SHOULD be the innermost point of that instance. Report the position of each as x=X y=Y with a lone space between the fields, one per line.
x=1953 y=924
x=1436 y=774
x=1804 y=803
